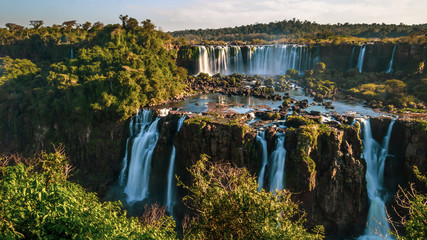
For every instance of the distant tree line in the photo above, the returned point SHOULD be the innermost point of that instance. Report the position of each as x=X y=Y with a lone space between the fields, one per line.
x=301 y=29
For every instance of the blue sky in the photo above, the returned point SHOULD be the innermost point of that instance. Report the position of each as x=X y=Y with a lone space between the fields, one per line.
x=193 y=14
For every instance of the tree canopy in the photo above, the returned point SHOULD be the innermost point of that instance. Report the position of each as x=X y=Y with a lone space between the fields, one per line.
x=38 y=202
x=228 y=206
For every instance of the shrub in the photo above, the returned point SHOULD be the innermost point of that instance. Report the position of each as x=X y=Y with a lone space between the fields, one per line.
x=228 y=206
x=37 y=201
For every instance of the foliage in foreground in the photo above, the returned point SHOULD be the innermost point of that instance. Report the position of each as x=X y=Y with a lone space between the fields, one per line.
x=228 y=206
x=37 y=201
x=416 y=203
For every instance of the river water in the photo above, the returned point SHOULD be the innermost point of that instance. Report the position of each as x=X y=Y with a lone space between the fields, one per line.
x=245 y=104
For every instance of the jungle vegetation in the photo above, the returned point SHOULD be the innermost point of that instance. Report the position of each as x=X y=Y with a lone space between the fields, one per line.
x=307 y=32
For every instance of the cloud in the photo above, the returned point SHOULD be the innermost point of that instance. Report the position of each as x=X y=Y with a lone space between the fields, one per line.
x=230 y=13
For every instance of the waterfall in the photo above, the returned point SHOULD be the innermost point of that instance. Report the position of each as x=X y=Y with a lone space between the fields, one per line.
x=277 y=160
x=375 y=156
x=264 y=60
x=169 y=192
x=122 y=177
x=390 y=64
x=144 y=136
x=350 y=62
x=361 y=58
x=261 y=138
x=203 y=62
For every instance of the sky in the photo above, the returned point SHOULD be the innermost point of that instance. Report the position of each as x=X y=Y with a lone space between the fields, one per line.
x=171 y=15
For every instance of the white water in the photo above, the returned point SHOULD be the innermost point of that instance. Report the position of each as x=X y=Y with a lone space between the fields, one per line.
x=144 y=135
x=122 y=177
x=170 y=192
x=263 y=60
x=375 y=156
x=261 y=138
x=390 y=64
x=361 y=58
x=350 y=62
x=277 y=160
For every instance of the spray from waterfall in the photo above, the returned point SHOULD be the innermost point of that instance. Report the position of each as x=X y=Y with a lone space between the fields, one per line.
x=277 y=160
x=203 y=61
x=361 y=58
x=261 y=138
x=169 y=191
x=144 y=137
x=375 y=156
x=264 y=60
x=390 y=64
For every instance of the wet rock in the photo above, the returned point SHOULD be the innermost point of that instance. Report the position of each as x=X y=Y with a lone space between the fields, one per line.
x=302 y=104
x=318 y=98
x=339 y=118
x=277 y=97
x=315 y=113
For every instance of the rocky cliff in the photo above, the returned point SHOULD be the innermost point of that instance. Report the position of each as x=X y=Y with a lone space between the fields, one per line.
x=377 y=57
x=323 y=165
x=326 y=172
x=408 y=148
x=95 y=149
x=324 y=168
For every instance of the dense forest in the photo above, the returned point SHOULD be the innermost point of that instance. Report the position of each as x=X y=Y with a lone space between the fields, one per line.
x=78 y=83
x=289 y=30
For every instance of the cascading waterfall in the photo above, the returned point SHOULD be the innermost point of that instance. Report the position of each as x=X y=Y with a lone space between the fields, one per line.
x=122 y=177
x=277 y=160
x=375 y=156
x=144 y=136
x=169 y=192
x=390 y=65
x=361 y=58
x=203 y=62
x=264 y=60
x=261 y=138
x=350 y=62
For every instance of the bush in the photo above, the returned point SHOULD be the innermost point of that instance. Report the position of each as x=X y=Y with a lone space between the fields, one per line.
x=416 y=203
x=228 y=206
x=292 y=72
x=37 y=201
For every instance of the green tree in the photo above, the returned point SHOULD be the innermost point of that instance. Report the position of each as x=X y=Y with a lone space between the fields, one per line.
x=416 y=204
x=132 y=23
x=395 y=87
x=69 y=24
x=36 y=23
x=228 y=206
x=86 y=26
x=319 y=68
x=148 y=25
x=38 y=202
x=124 y=19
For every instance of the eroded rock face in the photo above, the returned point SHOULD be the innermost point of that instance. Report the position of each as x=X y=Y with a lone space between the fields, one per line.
x=323 y=164
x=325 y=170
x=219 y=141
x=408 y=148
